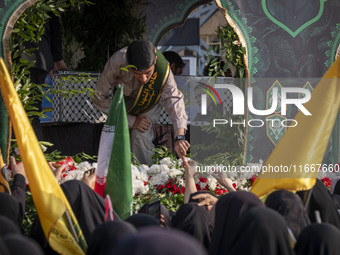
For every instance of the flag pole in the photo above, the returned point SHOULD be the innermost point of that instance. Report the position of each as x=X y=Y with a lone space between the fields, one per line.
x=70 y=224
x=1 y=160
x=307 y=198
x=74 y=229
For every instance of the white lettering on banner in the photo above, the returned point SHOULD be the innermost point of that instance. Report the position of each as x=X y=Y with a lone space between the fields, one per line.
x=238 y=100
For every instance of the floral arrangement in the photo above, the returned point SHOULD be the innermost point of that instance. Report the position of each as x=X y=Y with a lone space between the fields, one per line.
x=165 y=181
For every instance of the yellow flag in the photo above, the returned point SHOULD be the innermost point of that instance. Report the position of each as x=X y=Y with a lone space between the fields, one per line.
x=53 y=209
x=301 y=150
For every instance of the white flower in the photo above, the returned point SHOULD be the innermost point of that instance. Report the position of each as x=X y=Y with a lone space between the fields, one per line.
x=212 y=183
x=164 y=177
x=164 y=168
x=180 y=182
x=174 y=172
x=167 y=161
x=231 y=174
x=143 y=168
x=83 y=166
x=71 y=175
x=135 y=185
x=142 y=177
x=203 y=185
x=155 y=180
x=143 y=189
x=154 y=169
x=134 y=170
x=179 y=161
x=159 y=179
x=138 y=187
x=242 y=181
x=247 y=175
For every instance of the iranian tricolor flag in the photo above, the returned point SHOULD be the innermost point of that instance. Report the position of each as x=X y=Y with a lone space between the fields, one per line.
x=113 y=175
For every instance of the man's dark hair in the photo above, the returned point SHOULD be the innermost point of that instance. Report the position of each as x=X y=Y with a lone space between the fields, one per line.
x=173 y=57
x=141 y=54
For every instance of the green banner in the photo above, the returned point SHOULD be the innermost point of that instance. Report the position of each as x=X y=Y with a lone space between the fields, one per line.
x=7 y=10
x=284 y=40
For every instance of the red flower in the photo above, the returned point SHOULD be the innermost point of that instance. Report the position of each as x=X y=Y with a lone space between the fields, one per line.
x=252 y=179
x=179 y=190
x=198 y=187
x=220 y=191
x=234 y=185
x=170 y=184
x=202 y=179
x=327 y=182
x=159 y=187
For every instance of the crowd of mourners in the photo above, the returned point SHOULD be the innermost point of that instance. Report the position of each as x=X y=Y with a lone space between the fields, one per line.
x=236 y=223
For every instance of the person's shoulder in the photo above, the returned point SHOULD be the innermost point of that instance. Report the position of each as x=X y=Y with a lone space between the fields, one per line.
x=119 y=57
x=120 y=53
x=122 y=50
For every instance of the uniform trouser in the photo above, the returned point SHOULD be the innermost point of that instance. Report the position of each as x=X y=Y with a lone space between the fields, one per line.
x=141 y=142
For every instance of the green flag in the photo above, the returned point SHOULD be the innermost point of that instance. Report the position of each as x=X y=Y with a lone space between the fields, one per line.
x=113 y=174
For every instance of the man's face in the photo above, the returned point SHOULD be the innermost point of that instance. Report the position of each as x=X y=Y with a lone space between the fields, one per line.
x=144 y=75
x=176 y=70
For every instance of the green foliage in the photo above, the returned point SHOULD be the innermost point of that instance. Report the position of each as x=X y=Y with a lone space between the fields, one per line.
x=102 y=29
x=171 y=201
x=162 y=152
x=225 y=146
x=30 y=215
x=29 y=28
x=231 y=51
x=54 y=155
x=81 y=157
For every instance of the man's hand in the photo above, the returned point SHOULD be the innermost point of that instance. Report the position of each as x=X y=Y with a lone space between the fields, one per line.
x=181 y=148
x=17 y=168
x=58 y=66
x=142 y=123
x=56 y=169
x=89 y=177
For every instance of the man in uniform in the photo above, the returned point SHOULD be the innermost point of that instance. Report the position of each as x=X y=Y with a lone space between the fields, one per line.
x=148 y=84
